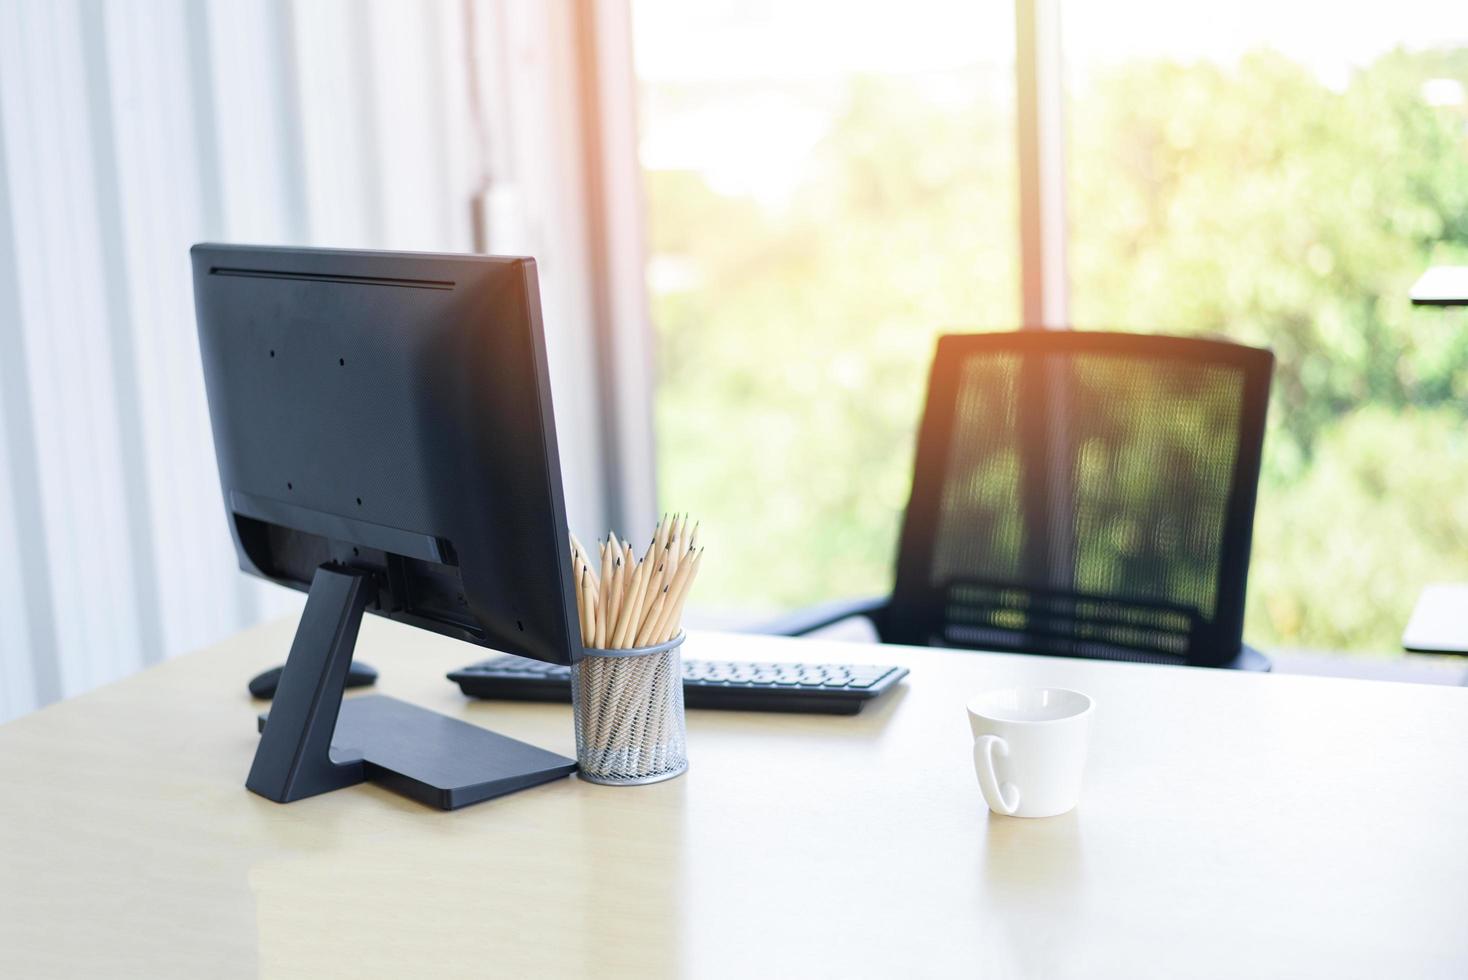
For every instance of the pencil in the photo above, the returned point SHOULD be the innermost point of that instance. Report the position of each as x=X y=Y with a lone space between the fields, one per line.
x=649 y=596
x=670 y=557
x=675 y=538
x=603 y=596
x=675 y=589
x=614 y=606
x=585 y=562
x=673 y=623
x=630 y=566
x=589 y=597
x=632 y=604
x=581 y=605
x=645 y=634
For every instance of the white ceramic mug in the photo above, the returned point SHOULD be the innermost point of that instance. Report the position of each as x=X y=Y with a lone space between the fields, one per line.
x=1030 y=748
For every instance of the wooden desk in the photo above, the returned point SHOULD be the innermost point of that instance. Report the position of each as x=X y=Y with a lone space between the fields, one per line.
x=1234 y=825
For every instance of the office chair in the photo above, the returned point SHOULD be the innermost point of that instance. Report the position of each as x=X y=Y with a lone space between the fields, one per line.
x=1079 y=494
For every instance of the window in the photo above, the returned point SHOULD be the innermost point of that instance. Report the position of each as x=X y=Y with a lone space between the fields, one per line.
x=830 y=185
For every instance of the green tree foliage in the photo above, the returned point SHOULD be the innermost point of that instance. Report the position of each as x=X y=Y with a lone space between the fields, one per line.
x=1247 y=201
x=1341 y=552
x=792 y=372
x=1257 y=204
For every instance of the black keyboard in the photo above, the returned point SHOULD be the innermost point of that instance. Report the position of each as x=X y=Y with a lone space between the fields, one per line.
x=733 y=685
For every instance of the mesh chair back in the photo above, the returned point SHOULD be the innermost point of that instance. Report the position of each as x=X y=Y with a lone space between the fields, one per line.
x=1084 y=494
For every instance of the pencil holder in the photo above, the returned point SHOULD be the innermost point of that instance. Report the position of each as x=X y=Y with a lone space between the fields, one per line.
x=629 y=714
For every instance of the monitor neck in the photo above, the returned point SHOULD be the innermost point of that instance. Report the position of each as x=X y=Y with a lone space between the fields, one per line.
x=294 y=760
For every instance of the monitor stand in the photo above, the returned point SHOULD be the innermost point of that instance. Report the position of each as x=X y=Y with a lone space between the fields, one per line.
x=315 y=742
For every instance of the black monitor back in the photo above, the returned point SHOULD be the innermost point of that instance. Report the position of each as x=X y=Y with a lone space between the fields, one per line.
x=392 y=412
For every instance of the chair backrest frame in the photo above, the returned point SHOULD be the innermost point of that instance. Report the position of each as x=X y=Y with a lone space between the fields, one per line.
x=910 y=618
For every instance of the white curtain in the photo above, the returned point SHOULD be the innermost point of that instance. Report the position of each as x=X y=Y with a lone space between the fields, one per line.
x=130 y=129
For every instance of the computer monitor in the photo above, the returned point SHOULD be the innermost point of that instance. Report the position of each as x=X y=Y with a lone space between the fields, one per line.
x=386 y=443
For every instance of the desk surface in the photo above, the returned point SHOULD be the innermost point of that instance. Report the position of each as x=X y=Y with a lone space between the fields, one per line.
x=1439 y=622
x=1232 y=825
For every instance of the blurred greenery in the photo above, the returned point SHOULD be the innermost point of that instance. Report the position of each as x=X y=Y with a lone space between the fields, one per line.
x=1248 y=201
x=1341 y=552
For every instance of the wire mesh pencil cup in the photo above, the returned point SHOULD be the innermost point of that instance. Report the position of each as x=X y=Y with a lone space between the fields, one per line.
x=628 y=706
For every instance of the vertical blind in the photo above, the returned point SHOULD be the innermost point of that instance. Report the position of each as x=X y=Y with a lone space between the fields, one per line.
x=130 y=130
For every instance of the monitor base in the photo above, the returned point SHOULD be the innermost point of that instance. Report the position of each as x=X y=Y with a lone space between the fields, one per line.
x=315 y=743
x=437 y=760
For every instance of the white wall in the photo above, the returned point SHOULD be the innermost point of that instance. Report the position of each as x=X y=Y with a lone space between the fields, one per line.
x=130 y=129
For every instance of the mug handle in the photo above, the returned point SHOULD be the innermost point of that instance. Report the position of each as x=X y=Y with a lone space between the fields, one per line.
x=1001 y=798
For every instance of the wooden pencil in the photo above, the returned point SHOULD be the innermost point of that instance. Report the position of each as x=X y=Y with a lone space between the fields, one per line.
x=673 y=623
x=675 y=540
x=589 y=597
x=631 y=566
x=675 y=589
x=645 y=634
x=668 y=622
x=604 y=598
x=631 y=606
x=584 y=562
x=655 y=583
x=581 y=604
x=614 y=604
